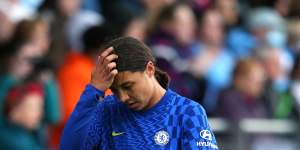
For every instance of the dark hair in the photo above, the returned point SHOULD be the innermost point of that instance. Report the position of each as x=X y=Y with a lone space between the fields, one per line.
x=133 y=56
x=23 y=33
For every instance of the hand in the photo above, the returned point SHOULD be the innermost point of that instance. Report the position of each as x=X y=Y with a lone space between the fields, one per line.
x=105 y=71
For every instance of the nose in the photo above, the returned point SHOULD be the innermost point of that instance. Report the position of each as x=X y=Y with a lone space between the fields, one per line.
x=123 y=96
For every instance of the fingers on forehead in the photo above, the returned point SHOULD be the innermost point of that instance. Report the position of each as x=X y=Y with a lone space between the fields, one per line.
x=107 y=51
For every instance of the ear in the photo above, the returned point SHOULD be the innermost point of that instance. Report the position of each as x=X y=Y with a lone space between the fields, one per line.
x=150 y=69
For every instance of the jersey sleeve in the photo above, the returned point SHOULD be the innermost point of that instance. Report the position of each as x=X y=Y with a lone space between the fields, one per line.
x=83 y=128
x=197 y=134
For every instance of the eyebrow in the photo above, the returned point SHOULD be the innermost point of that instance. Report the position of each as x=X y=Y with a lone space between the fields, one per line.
x=127 y=83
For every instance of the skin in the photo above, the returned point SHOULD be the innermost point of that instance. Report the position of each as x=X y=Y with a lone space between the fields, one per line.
x=29 y=112
x=252 y=83
x=212 y=29
x=138 y=90
x=184 y=25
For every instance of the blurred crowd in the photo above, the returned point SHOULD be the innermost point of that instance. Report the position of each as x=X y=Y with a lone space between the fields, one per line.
x=237 y=58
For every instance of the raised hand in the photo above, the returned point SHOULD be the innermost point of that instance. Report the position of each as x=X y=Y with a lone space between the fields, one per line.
x=105 y=70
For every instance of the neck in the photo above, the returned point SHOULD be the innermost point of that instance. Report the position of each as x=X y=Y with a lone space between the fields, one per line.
x=158 y=93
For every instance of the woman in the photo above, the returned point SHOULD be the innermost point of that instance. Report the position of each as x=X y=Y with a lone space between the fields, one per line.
x=142 y=114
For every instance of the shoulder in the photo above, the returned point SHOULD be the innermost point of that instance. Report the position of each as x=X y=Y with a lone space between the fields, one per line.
x=188 y=107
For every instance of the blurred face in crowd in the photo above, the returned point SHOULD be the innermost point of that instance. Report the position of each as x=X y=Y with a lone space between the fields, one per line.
x=41 y=37
x=29 y=111
x=136 y=29
x=6 y=27
x=20 y=65
x=135 y=89
x=259 y=33
x=212 y=28
x=40 y=40
x=228 y=9
x=36 y=45
x=249 y=77
x=184 y=23
x=154 y=5
x=69 y=7
x=282 y=6
x=255 y=80
x=272 y=64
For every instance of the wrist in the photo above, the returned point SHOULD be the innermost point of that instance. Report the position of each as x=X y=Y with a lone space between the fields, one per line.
x=99 y=86
x=99 y=91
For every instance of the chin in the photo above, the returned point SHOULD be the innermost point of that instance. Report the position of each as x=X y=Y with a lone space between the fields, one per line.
x=31 y=126
x=138 y=109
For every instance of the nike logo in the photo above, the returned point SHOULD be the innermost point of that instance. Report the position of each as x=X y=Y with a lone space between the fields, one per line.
x=117 y=133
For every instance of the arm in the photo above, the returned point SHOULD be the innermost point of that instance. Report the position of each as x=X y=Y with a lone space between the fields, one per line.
x=197 y=134
x=83 y=116
x=85 y=126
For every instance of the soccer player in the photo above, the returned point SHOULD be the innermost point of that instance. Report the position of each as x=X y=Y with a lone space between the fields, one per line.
x=142 y=114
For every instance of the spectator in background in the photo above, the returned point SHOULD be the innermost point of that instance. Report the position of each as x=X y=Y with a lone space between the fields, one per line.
x=15 y=10
x=67 y=23
x=229 y=9
x=23 y=117
x=276 y=95
x=263 y=26
x=136 y=28
x=153 y=8
x=25 y=59
x=294 y=8
x=173 y=44
x=6 y=28
x=18 y=67
x=213 y=61
x=127 y=18
x=282 y=7
x=33 y=32
x=242 y=98
x=56 y=15
x=294 y=36
x=76 y=26
x=74 y=74
x=295 y=85
x=269 y=30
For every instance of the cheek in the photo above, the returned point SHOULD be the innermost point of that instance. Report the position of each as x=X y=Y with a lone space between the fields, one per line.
x=33 y=114
x=141 y=93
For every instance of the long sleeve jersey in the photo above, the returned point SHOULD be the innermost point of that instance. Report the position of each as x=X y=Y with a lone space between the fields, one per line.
x=175 y=122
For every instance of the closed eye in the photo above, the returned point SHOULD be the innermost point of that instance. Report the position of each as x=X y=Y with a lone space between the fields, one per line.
x=127 y=86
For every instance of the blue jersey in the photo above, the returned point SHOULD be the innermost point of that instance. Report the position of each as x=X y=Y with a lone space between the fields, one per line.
x=175 y=122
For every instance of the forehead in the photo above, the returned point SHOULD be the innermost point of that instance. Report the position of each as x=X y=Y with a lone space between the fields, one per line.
x=126 y=76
